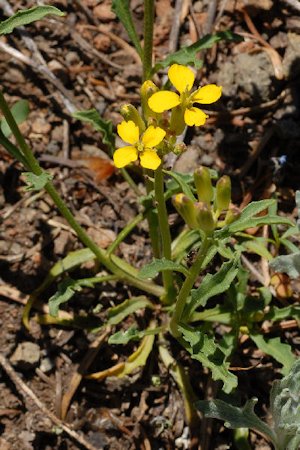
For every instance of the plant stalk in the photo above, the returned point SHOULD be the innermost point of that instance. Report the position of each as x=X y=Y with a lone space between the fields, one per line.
x=148 y=38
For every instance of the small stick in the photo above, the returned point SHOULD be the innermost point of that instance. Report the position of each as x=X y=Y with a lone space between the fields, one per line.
x=27 y=392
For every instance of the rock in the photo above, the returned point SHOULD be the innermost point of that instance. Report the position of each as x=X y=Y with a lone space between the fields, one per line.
x=40 y=126
x=226 y=79
x=26 y=356
x=104 y=13
x=46 y=364
x=188 y=161
x=291 y=59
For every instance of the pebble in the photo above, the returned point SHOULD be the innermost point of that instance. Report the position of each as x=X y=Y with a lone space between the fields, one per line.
x=26 y=356
x=40 y=126
x=103 y=13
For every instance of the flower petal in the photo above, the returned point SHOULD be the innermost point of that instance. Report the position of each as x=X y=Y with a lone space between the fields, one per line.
x=207 y=94
x=124 y=156
x=128 y=132
x=163 y=100
x=153 y=136
x=194 y=116
x=150 y=159
x=181 y=77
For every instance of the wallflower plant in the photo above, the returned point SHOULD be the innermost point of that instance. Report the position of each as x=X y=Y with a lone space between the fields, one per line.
x=186 y=296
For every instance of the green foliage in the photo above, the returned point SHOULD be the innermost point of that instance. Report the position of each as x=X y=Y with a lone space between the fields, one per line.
x=20 y=111
x=118 y=313
x=36 y=182
x=27 y=16
x=104 y=126
x=132 y=334
x=122 y=10
x=284 y=406
x=188 y=55
x=289 y=264
x=204 y=349
x=159 y=265
x=66 y=290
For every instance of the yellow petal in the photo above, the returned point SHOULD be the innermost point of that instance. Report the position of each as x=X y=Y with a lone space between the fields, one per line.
x=124 y=156
x=128 y=132
x=153 y=136
x=207 y=94
x=163 y=100
x=150 y=159
x=194 y=116
x=181 y=77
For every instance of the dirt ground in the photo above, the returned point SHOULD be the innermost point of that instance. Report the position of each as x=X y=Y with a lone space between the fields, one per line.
x=84 y=61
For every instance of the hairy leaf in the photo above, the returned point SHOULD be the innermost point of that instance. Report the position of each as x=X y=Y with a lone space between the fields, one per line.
x=119 y=312
x=132 y=334
x=204 y=349
x=36 y=182
x=20 y=111
x=159 y=265
x=122 y=10
x=289 y=264
x=27 y=16
x=277 y=349
x=104 y=126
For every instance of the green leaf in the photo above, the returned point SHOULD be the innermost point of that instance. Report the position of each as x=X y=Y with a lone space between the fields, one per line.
x=259 y=247
x=276 y=313
x=219 y=314
x=132 y=334
x=183 y=181
x=212 y=285
x=28 y=16
x=183 y=242
x=120 y=312
x=159 y=265
x=204 y=349
x=188 y=55
x=285 y=408
x=277 y=349
x=20 y=111
x=104 y=126
x=235 y=417
x=289 y=264
x=122 y=10
x=66 y=290
x=36 y=182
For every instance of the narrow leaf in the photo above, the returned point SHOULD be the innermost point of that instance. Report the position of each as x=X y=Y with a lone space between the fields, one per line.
x=188 y=55
x=132 y=334
x=66 y=290
x=277 y=349
x=183 y=182
x=20 y=111
x=212 y=285
x=28 y=16
x=104 y=126
x=122 y=10
x=160 y=265
x=120 y=312
x=204 y=349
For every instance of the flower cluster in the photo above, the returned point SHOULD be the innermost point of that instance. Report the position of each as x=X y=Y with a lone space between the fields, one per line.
x=149 y=144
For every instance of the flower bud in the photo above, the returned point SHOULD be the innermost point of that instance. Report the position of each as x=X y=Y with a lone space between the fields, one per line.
x=129 y=112
x=204 y=218
x=223 y=193
x=180 y=148
x=177 y=123
x=148 y=88
x=232 y=215
x=186 y=208
x=203 y=185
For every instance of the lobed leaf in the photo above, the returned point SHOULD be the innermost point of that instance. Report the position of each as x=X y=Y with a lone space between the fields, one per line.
x=159 y=265
x=36 y=182
x=27 y=16
x=66 y=290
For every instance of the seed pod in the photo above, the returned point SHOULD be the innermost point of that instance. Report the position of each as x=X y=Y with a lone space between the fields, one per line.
x=186 y=208
x=204 y=218
x=129 y=112
x=203 y=185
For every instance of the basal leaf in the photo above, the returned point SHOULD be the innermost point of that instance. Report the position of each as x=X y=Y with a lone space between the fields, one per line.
x=122 y=10
x=27 y=16
x=160 y=265
x=204 y=349
x=66 y=290
x=289 y=264
x=188 y=55
x=104 y=126
x=36 y=182
x=132 y=334
x=212 y=285
x=119 y=312
x=277 y=349
x=235 y=417
x=20 y=111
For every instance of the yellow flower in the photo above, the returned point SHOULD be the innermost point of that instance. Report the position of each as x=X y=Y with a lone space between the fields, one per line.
x=183 y=79
x=141 y=147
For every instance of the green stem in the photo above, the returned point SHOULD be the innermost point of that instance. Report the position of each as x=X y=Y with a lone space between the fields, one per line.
x=33 y=165
x=187 y=286
x=148 y=38
x=164 y=231
x=12 y=150
x=151 y=217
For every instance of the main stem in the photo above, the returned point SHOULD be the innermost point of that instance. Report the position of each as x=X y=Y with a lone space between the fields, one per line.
x=187 y=286
x=148 y=38
x=33 y=165
x=165 y=234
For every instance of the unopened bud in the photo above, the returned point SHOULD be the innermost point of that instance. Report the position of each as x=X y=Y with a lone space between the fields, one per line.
x=204 y=218
x=203 y=185
x=148 y=88
x=179 y=148
x=129 y=112
x=223 y=193
x=186 y=208
x=177 y=123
